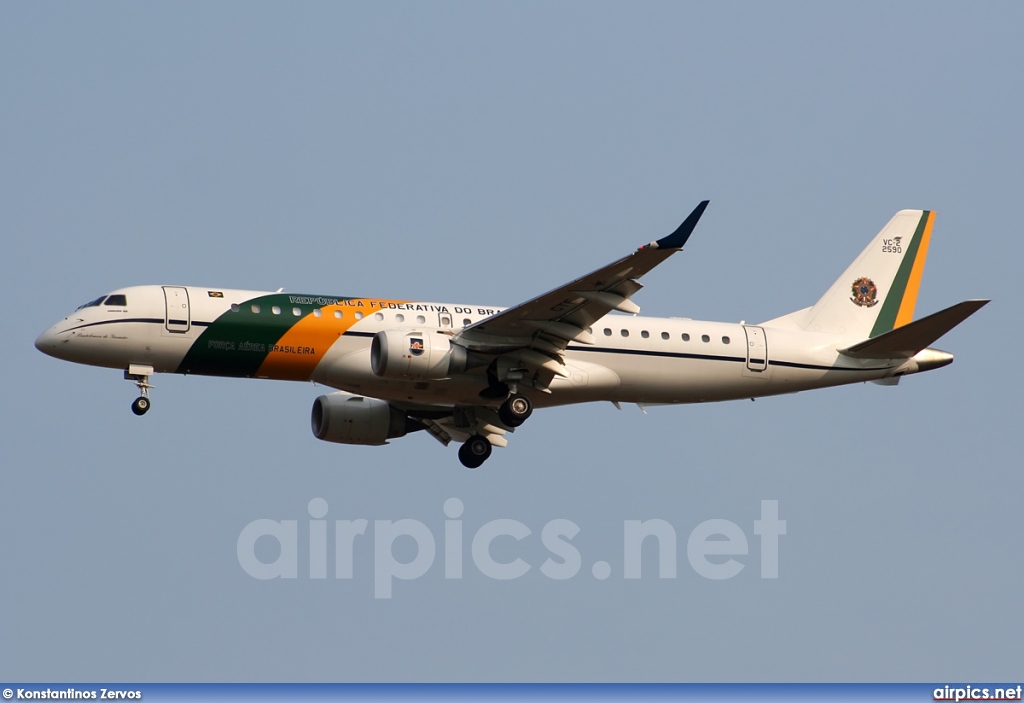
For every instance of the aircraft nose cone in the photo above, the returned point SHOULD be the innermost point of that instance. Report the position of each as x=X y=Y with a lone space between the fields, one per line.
x=47 y=342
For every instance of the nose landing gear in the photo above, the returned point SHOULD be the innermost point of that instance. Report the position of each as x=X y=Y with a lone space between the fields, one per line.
x=140 y=375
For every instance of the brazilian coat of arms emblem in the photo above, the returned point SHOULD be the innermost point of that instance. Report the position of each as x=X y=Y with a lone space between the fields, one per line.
x=865 y=292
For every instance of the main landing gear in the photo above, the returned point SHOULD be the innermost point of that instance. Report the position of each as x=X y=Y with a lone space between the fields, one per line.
x=515 y=411
x=140 y=375
x=474 y=451
x=512 y=413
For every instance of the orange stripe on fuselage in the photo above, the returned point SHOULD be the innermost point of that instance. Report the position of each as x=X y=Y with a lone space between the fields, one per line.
x=906 y=311
x=302 y=347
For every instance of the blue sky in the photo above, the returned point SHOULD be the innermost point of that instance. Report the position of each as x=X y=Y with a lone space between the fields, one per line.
x=487 y=152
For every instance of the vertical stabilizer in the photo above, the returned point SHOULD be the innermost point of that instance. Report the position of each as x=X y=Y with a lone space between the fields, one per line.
x=878 y=291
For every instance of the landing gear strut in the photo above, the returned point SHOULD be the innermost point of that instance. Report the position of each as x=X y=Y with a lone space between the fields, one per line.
x=515 y=411
x=140 y=375
x=474 y=451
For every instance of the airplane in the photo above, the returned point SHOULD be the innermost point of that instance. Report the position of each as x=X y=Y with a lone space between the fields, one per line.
x=472 y=374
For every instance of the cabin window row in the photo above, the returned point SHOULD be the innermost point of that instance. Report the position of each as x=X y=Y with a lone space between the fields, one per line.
x=645 y=334
x=420 y=319
x=297 y=312
x=339 y=314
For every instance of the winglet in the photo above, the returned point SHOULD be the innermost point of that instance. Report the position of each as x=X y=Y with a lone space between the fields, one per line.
x=677 y=239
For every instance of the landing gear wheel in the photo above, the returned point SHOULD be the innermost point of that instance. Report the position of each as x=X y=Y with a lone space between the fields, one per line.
x=140 y=376
x=141 y=405
x=515 y=411
x=474 y=451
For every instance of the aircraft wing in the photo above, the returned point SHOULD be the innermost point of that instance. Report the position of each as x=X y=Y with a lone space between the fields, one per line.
x=533 y=334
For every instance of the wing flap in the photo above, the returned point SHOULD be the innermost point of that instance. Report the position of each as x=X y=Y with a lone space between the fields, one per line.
x=612 y=301
x=908 y=340
x=562 y=330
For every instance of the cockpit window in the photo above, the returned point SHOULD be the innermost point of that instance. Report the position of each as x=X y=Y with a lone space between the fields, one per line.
x=119 y=299
x=92 y=303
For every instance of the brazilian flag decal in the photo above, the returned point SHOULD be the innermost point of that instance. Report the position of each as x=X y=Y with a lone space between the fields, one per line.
x=898 y=308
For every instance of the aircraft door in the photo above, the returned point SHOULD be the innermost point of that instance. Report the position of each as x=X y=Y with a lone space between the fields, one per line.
x=177 y=317
x=757 y=349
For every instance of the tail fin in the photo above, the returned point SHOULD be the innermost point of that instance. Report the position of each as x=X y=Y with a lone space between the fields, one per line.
x=878 y=292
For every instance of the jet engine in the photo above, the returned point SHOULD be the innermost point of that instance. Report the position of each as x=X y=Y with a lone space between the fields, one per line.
x=353 y=419
x=413 y=355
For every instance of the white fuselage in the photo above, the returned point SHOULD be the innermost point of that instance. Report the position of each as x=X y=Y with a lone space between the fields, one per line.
x=326 y=339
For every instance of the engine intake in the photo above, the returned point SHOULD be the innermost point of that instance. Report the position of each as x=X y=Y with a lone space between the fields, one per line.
x=414 y=355
x=353 y=419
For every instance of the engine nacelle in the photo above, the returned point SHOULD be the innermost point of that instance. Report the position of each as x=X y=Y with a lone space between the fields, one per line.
x=354 y=419
x=415 y=355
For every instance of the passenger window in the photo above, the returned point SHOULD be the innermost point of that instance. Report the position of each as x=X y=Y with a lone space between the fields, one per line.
x=297 y=312
x=624 y=333
x=607 y=332
x=318 y=313
x=118 y=299
x=467 y=322
x=359 y=316
x=645 y=334
x=419 y=319
x=686 y=337
x=276 y=310
x=725 y=340
x=664 y=335
x=399 y=317
x=705 y=338
x=256 y=309
x=339 y=314
x=378 y=316
x=234 y=307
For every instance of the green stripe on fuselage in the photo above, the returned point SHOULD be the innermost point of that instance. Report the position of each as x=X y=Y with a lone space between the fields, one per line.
x=236 y=343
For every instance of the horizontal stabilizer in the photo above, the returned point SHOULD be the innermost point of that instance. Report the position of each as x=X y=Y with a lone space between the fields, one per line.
x=908 y=340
